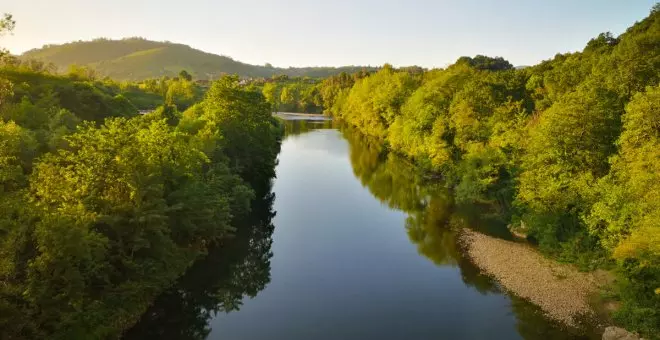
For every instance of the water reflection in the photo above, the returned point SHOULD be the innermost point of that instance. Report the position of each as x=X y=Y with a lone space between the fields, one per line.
x=216 y=284
x=301 y=126
x=434 y=220
x=335 y=280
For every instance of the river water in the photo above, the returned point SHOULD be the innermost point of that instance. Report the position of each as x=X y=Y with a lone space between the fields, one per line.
x=350 y=244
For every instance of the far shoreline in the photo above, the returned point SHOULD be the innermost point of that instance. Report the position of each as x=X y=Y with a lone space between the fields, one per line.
x=301 y=116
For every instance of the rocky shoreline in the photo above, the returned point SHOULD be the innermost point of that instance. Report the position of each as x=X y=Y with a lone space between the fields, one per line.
x=560 y=290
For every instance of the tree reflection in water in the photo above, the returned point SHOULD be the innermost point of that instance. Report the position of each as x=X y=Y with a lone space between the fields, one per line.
x=434 y=220
x=301 y=126
x=237 y=269
x=241 y=267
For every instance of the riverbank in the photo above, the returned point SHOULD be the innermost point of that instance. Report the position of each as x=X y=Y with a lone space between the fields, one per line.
x=560 y=290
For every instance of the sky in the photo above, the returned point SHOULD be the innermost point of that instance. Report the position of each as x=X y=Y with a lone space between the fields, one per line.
x=428 y=33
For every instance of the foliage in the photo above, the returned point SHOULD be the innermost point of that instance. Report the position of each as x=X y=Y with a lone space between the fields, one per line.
x=236 y=123
x=7 y=25
x=375 y=102
x=565 y=151
x=307 y=95
x=218 y=283
x=104 y=209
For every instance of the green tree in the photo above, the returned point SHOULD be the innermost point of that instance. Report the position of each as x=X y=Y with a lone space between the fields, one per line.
x=242 y=118
x=626 y=215
x=375 y=102
x=271 y=93
x=7 y=25
x=184 y=75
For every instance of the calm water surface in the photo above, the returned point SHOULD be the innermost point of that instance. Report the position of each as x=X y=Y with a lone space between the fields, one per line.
x=350 y=244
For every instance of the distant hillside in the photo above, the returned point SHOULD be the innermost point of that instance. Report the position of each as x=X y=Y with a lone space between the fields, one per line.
x=137 y=58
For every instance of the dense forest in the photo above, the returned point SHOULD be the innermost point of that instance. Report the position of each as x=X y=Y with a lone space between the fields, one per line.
x=103 y=208
x=139 y=59
x=101 y=205
x=567 y=151
x=305 y=94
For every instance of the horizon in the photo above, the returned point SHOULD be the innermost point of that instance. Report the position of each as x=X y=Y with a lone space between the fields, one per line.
x=559 y=28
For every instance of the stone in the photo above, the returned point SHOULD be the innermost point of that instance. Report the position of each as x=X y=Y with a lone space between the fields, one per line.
x=617 y=333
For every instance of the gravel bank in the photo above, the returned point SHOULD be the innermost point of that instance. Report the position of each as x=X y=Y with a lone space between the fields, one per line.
x=560 y=290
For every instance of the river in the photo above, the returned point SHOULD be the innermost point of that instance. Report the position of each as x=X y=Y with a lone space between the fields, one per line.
x=350 y=244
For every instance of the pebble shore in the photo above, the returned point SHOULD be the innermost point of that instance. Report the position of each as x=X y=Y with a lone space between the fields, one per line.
x=560 y=290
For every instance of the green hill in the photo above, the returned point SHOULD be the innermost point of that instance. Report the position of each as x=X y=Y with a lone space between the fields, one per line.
x=137 y=58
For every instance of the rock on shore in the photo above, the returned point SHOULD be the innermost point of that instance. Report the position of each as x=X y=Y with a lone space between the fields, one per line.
x=616 y=333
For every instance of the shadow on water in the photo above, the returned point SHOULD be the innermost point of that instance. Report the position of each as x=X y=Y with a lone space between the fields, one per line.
x=433 y=222
x=217 y=284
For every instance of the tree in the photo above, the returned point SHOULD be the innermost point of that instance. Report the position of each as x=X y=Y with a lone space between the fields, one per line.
x=272 y=95
x=18 y=147
x=78 y=72
x=238 y=125
x=626 y=214
x=567 y=152
x=482 y=62
x=7 y=25
x=603 y=40
x=184 y=75
x=374 y=102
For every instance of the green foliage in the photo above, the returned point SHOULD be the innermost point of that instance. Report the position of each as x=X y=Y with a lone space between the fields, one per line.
x=307 y=95
x=626 y=215
x=566 y=151
x=375 y=102
x=292 y=94
x=87 y=100
x=249 y=132
x=18 y=147
x=482 y=62
x=184 y=75
x=104 y=209
x=7 y=25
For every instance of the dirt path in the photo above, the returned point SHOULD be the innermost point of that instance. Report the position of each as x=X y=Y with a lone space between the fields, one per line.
x=560 y=290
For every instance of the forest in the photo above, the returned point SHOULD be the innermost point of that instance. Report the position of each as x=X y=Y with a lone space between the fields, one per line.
x=305 y=94
x=103 y=209
x=566 y=151
x=101 y=205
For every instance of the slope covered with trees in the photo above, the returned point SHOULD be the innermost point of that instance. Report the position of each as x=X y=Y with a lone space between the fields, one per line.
x=566 y=151
x=138 y=59
x=102 y=208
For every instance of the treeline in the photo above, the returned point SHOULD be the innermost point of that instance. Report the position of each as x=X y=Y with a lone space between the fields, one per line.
x=103 y=209
x=147 y=94
x=304 y=94
x=566 y=151
x=433 y=222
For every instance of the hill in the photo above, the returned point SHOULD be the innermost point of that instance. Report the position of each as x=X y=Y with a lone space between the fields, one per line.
x=138 y=58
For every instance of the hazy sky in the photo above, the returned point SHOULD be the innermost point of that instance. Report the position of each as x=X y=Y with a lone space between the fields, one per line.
x=333 y=32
